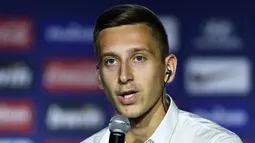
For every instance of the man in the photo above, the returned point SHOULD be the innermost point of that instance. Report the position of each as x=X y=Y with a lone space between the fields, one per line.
x=134 y=65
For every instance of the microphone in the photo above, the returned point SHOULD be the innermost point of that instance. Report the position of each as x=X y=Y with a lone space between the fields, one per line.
x=118 y=126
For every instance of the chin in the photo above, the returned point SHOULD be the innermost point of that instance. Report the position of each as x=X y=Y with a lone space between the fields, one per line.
x=131 y=112
x=132 y=115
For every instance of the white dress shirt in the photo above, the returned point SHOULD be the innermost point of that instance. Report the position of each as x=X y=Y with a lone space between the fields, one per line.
x=180 y=127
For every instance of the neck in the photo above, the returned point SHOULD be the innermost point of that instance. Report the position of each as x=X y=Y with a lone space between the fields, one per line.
x=143 y=127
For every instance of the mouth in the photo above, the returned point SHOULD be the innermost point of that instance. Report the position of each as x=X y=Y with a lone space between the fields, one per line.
x=127 y=97
x=127 y=94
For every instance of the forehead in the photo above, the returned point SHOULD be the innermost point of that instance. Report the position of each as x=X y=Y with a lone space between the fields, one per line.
x=125 y=36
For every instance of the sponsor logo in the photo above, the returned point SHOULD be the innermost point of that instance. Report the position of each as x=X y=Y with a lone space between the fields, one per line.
x=16 y=33
x=16 y=115
x=172 y=27
x=63 y=141
x=218 y=76
x=15 y=75
x=70 y=75
x=74 y=117
x=228 y=117
x=218 y=33
x=15 y=140
x=71 y=32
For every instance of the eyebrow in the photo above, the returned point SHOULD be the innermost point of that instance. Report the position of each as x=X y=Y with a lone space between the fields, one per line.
x=111 y=53
x=139 y=49
x=130 y=51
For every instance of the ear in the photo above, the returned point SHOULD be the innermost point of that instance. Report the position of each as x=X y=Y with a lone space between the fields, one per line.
x=171 y=64
x=99 y=77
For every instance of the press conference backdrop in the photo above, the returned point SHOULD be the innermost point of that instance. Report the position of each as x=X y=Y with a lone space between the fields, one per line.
x=48 y=88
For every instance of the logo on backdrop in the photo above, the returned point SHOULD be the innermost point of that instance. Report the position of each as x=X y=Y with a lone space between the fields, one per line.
x=229 y=117
x=16 y=33
x=70 y=75
x=15 y=140
x=75 y=116
x=231 y=114
x=205 y=76
x=69 y=32
x=15 y=75
x=63 y=141
x=218 y=33
x=16 y=115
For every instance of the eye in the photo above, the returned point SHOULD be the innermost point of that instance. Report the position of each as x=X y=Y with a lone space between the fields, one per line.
x=110 y=62
x=139 y=58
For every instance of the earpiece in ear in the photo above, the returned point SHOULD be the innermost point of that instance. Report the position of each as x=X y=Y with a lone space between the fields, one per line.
x=168 y=73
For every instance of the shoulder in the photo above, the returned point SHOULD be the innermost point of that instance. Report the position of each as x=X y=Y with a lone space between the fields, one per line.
x=95 y=138
x=206 y=130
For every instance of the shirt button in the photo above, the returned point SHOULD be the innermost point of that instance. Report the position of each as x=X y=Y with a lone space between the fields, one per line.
x=150 y=141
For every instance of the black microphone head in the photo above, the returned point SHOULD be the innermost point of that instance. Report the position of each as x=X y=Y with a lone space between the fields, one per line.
x=119 y=123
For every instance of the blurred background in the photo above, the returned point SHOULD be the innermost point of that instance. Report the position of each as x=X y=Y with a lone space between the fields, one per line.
x=48 y=88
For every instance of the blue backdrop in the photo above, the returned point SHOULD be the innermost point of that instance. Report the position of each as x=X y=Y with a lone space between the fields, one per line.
x=48 y=88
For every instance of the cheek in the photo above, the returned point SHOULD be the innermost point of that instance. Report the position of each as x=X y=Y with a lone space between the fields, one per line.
x=148 y=74
x=150 y=79
x=108 y=78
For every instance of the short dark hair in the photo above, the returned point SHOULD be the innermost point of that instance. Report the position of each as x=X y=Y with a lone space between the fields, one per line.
x=127 y=14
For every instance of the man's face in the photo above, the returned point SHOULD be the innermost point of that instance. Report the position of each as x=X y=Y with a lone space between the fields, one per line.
x=131 y=71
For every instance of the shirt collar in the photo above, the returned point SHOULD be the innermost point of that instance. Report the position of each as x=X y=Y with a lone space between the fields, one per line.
x=165 y=129
x=167 y=126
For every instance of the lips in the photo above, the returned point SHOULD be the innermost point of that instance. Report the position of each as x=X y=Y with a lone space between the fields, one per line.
x=127 y=93
x=127 y=97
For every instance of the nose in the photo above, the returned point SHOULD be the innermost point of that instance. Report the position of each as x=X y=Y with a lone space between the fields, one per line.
x=125 y=74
